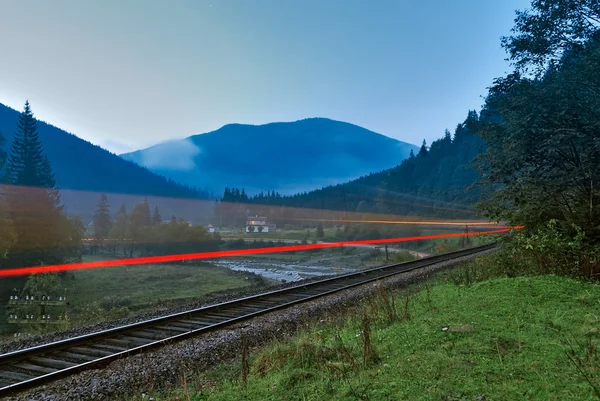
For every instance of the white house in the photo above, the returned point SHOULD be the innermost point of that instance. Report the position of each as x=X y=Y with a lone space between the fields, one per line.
x=211 y=228
x=257 y=224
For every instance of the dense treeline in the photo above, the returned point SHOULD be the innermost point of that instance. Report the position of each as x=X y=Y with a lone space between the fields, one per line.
x=541 y=127
x=142 y=233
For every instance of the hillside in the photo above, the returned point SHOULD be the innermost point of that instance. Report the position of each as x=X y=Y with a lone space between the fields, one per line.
x=287 y=157
x=83 y=169
x=501 y=339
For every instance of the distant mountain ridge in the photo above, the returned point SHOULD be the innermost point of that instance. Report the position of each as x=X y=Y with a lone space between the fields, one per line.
x=288 y=157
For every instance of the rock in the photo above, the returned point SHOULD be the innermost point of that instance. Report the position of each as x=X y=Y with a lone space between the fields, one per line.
x=465 y=328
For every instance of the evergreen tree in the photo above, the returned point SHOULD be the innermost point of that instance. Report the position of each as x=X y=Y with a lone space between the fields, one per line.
x=7 y=234
x=102 y=220
x=118 y=232
x=145 y=214
x=156 y=217
x=320 y=232
x=423 y=151
x=4 y=178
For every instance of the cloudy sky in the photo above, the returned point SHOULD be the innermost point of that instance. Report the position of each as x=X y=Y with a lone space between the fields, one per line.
x=126 y=74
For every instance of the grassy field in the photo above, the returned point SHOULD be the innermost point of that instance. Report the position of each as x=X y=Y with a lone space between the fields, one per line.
x=500 y=339
x=149 y=284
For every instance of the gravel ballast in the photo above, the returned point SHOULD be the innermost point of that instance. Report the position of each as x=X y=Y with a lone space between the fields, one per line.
x=164 y=367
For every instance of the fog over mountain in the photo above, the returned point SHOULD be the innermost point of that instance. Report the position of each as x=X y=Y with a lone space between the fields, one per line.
x=287 y=157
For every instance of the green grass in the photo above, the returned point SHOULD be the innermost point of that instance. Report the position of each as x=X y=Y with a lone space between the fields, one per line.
x=146 y=284
x=523 y=331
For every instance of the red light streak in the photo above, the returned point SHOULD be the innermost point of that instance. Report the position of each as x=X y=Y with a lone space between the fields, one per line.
x=220 y=254
x=418 y=223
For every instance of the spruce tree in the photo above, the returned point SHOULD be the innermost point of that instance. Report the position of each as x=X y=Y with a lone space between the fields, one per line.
x=7 y=234
x=156 y=217
x=320 y=232
x=146 y=216
x=34 y=201
x=102 y=220
x=423 y=151
x=118 y=232
x=3 y=159
x=27 y=164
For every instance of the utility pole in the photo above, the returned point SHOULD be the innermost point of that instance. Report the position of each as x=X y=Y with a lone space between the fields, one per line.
x=465 y=240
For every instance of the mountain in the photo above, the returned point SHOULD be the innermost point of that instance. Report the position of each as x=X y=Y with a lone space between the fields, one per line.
x=287 y=157
x=82 y=169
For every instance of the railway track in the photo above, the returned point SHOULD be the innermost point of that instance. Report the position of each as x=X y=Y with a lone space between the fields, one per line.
x=34 y=366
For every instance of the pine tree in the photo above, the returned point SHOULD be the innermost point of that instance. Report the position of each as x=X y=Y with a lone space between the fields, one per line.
x=423 y=151
x=27 y=164
x=320 y=232
x=42 y=230
x=7 y=234
x=156 y=217
x=118 y=232
x=145 y=214
x=3 y=158
x=102 y=220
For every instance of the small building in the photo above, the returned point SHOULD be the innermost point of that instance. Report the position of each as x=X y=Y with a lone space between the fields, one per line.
x=210 y=228
x=257 y=224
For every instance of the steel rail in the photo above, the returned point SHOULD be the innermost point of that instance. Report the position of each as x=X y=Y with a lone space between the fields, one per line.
x=34 y=366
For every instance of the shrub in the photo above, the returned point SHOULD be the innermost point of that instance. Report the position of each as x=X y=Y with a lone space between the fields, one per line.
x=553 y=250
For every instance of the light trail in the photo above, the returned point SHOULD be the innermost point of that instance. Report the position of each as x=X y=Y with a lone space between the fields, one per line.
x=424 y=223
x=219 y=254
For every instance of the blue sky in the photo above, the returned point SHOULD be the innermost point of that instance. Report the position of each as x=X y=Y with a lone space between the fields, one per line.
x=127 y=74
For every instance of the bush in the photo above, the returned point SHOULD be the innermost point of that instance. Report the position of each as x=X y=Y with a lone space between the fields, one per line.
x=548 y=250
x=554 y=250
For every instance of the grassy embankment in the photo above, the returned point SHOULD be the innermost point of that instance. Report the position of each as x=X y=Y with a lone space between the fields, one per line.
x=507 y=338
